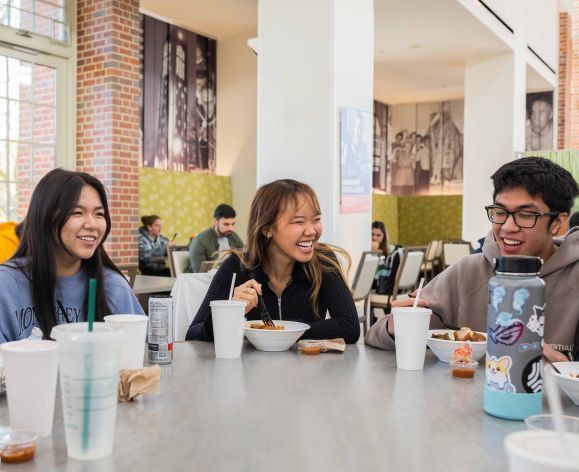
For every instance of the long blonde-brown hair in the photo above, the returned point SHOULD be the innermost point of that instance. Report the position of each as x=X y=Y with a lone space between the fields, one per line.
x=269 y=202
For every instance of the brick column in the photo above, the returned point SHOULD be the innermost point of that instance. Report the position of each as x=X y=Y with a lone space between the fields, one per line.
x=572 y=141
x=565 y=58
x=108 y=137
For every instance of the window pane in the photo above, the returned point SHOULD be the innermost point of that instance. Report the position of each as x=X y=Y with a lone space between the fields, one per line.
x=3 y=76
x=21 y=19
x=44 y=85
x=4 y=13
x=11 y=208
x=4 y=201
x=60 y=32
x=19 y=79
x=20 y=194
x=3 y=118
x=44 y=125
x=3 y=161
x=20 y=124
x=19 y=162
x=50 y=11
x=44 y=161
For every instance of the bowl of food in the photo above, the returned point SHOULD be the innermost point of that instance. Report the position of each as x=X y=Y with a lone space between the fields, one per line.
x=278 y=338
x=443 y=342
x=568 y=379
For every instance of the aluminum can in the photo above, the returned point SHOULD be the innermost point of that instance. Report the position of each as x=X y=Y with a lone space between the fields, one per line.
x=160 y=329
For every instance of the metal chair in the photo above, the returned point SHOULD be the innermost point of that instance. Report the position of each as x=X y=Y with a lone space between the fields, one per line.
x=362 y=284
x=453 y=251
x=178 y=259
x=405 y=282
x=129 y=271
x=431 y=262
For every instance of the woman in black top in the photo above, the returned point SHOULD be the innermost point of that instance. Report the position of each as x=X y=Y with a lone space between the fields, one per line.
x=298 y=277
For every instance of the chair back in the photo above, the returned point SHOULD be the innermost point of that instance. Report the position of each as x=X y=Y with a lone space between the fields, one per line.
x=178 y=259
x=206 y=266
x=365 y=273
x=452 y=252
x=408 y=271
x=129 y=271
x=432 y=250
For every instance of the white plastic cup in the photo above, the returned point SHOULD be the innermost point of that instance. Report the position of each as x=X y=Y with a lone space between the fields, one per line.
x=89 y=380
x=135 y=334
x=411 y=331
x=540 y=451
x=31 y=369
x=228 y=327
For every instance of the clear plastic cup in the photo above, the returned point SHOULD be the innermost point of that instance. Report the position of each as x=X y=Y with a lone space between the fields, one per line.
x=545 y=423
x=228 y=327
x=135 y=334
x=411 y=331
x=89 y=379
x=31 y=367
x=541 y=451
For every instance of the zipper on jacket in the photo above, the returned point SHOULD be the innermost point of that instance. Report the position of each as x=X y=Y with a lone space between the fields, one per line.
x=279 y=298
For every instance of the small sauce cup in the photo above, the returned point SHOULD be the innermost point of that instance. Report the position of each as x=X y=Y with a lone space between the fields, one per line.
x=464 y=370
x=310 y=347
x=17 y=446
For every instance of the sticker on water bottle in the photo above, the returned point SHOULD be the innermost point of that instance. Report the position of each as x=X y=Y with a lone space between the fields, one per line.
x=531 y=376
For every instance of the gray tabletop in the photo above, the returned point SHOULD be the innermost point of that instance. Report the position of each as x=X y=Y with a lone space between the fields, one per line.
x=287 y=412
x=152 y=284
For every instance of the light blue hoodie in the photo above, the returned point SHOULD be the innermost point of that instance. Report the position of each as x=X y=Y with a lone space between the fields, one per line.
x=17 y=313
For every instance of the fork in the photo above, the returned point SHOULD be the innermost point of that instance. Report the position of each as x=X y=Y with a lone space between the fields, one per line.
x=444 y=323
x=265 y=316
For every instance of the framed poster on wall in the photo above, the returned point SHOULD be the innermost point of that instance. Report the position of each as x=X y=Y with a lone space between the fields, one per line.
x=355 y=161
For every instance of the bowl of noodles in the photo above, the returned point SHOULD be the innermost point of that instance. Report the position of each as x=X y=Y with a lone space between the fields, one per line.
x=278 y=338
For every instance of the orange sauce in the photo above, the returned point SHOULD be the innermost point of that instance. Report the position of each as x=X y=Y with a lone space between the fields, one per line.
x=463 y=372
x=18 y=454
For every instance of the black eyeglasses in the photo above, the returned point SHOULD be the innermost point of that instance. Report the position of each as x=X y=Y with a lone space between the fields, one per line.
x=522 y=218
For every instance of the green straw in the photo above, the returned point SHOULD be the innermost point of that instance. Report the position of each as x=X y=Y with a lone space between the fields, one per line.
x=91 y=303
x=85 y=433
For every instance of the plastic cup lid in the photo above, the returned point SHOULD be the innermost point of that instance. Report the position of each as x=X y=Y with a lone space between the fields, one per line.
x=27 y=347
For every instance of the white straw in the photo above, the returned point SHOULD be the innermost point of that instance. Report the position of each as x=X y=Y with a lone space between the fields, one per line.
x=418 y=293
x=232 y=286
x=556 y=408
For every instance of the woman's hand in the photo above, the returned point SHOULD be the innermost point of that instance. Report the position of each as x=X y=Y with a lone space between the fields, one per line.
x=248 y=293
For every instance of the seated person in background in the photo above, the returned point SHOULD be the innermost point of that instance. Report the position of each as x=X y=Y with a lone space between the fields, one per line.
x=10 y=233
x=386 y=272
x=45 y=283
x=220 y=237
x=298 y=277
x=153 y=247
x=531 y=201
x=574 y=220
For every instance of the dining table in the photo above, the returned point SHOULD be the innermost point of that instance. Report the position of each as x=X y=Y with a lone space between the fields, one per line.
x=286 y=411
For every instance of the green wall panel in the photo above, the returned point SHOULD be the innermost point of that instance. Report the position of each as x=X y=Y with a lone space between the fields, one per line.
x=185 y=201
x=385 y=209
x=567 y=159
x=424 y=218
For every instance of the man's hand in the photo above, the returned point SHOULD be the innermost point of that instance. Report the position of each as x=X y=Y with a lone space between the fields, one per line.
x=552 y=355
x=404 y=302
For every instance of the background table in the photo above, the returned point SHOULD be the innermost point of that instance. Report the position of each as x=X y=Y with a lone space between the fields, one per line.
x=152 y=284
x=290 y=412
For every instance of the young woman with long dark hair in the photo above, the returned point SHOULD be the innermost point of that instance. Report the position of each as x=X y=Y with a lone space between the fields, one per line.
x=298 y=277
x=45 y=283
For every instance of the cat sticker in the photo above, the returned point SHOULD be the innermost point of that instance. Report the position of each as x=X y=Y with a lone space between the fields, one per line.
x=536 y=321
x=497 y=374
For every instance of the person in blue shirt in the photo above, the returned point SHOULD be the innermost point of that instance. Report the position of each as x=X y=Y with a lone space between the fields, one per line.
x=45 y=282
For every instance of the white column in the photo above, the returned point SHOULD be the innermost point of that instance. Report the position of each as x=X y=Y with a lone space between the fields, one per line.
x=494 y=118
x=314 y=57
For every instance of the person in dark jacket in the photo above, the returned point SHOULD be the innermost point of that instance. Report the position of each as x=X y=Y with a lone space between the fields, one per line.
x=153 y=247
x=298 y=277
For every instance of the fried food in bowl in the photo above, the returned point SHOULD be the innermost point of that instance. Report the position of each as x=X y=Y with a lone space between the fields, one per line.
x=443 y=343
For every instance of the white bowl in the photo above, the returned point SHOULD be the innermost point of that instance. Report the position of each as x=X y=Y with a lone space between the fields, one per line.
x=275 y=340
x=568 y=384
x=443 y=349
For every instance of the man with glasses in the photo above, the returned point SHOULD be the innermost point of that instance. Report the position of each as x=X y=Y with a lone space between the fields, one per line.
x=531 y=202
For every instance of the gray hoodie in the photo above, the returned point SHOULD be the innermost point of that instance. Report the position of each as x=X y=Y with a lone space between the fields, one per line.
x=460 y=294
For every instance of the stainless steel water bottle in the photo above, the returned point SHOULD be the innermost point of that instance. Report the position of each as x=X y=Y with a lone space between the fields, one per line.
x=515 y=325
